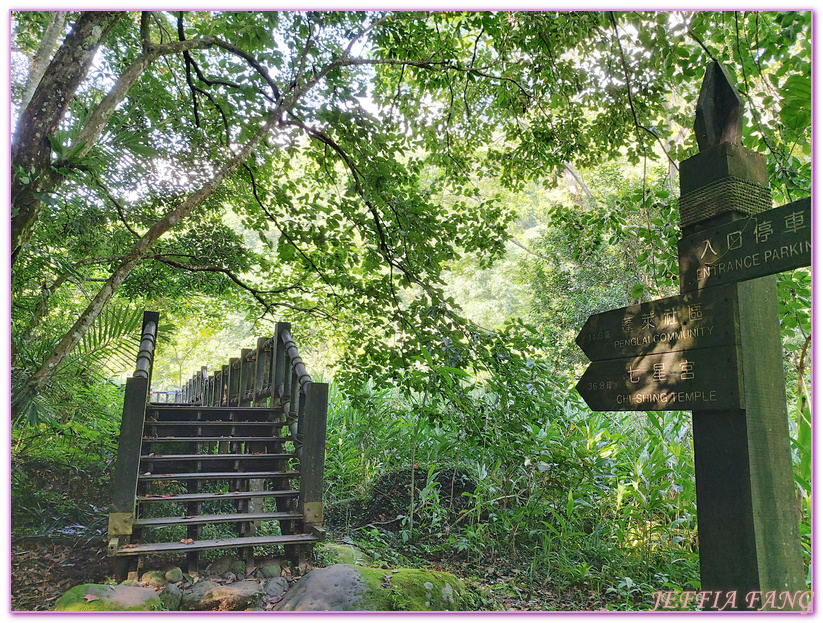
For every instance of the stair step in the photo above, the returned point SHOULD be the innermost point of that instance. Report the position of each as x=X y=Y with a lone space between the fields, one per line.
x=250 y=541
x=205 y=439
x=189 y=410
x=191 y=520
x=218 y=475
x=211 y=423
x=212 y=457
x=205 y=497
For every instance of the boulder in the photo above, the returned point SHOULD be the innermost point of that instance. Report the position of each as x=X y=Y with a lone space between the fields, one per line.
x=104 y=597
x=350 y=587
x=221 y=565
x=334 y=553
x=210 y=595
x=173 y=574
x=171 y=597
x=275 y=587
x=270 y=569
x=153 y=578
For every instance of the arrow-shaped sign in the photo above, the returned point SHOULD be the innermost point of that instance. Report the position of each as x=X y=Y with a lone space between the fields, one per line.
x=696 y=320
x=705 y=379
x=763 y=244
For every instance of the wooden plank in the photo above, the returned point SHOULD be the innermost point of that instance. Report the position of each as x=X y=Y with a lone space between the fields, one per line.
x=216 y=457
x=213 y=423
x=686 y=322
x=180 y=408
x=679 y=381
x=205 y=519
x=205 y=497
x=218 y=475
x=207 y=438
x=770 y=242
x=254 y=541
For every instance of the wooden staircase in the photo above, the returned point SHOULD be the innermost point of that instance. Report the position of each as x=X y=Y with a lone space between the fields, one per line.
x=237 y=465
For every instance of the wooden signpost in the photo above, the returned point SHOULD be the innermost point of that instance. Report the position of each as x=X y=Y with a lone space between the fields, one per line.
x=682 y=380
x=746 y=508
x=685 y=322
x=763 y=244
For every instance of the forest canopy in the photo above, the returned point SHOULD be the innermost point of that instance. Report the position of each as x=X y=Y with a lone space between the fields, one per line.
x=355 y=148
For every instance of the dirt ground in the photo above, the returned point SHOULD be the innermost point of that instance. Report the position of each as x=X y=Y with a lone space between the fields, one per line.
x=43 y=569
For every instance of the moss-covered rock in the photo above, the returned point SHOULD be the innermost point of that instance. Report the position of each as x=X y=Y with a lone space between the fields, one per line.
x=173 y=574
x=349 y=587
x=171 y=596
x=101 y=597
x=270 y=568
x=334 y=553
x=154 y=577
x=221 y=565
x=209 y=595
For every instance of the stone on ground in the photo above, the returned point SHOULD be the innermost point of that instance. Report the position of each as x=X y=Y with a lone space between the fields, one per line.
x=335 y=553
x=270 y=568
x=210 y=595
x=173 y=574
x=153 y=578
x=102 y=597
x=171 y=596
x=275 y=587
x=349 y=587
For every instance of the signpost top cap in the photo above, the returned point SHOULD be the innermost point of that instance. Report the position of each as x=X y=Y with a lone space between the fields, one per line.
x=719 y=117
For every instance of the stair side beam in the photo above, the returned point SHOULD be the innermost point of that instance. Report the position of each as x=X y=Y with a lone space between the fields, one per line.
x=313 y=427
x=126 y=471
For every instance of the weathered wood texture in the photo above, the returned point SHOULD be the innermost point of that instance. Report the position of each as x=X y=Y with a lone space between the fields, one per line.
x=680 y=380
x=746 y=506
x=766 y=243
x=124 y=480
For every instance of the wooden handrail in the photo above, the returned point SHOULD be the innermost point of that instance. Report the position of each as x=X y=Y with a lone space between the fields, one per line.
x=148 y=340
x=273 y=374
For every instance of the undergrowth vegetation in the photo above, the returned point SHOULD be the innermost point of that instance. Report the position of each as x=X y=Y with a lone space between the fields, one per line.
x=602 y=503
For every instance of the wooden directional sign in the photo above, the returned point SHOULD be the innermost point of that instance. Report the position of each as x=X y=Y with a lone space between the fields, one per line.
x=706 y=379
x=695 y=320
x=763 y=244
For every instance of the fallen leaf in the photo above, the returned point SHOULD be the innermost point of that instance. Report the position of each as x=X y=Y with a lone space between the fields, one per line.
x=90 y=597
x=187 y=541
x=165 y=495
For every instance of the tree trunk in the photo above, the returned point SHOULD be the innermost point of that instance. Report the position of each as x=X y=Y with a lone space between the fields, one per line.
x=31 y=150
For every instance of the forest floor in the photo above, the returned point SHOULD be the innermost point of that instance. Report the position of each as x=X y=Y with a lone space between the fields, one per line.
x=43 y=569
x=62 y=545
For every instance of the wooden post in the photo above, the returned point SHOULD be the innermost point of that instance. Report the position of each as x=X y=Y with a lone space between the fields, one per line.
x=246 y=382
x=279 y=368
x=747 y=512
x=233 y=377
x=264 y=356
x=126 y=470
x=312 y=464
x=224 y=387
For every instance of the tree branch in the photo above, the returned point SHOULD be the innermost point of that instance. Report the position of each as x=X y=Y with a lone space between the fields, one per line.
x=43 y=55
